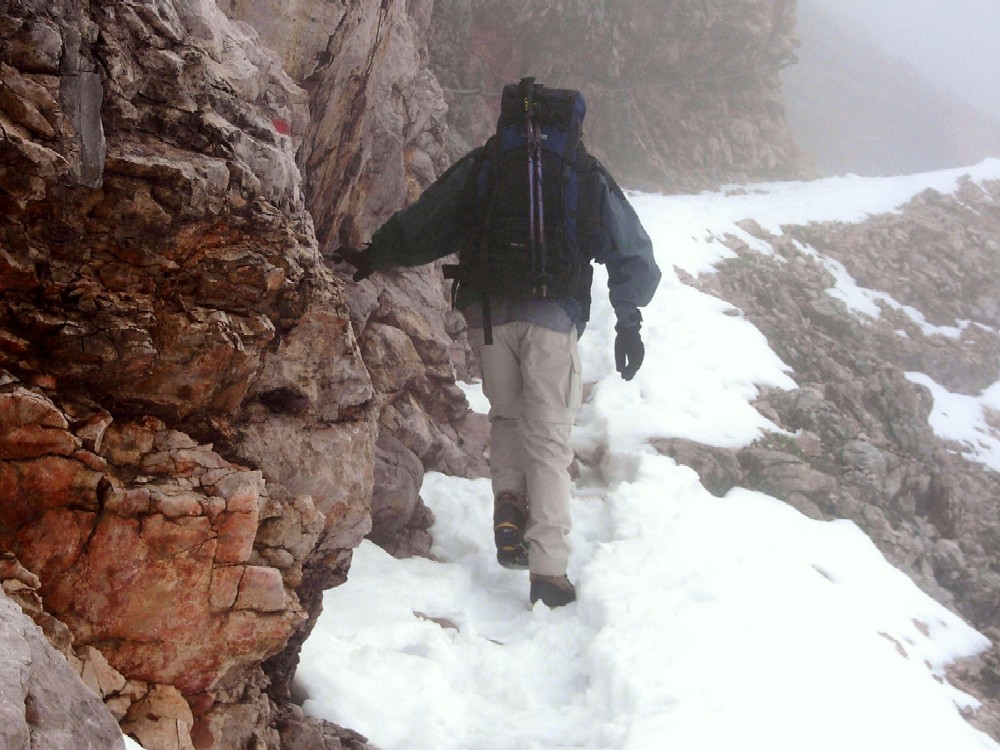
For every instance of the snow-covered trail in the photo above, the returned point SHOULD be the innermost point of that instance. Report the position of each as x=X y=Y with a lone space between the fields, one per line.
x=702 y=623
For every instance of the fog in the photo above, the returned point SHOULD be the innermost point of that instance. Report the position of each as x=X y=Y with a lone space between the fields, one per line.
x=955 y=44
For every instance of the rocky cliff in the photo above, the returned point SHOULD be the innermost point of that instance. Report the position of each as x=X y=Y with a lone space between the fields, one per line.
x=171 y=344
x=680 y=96
x=188 y=427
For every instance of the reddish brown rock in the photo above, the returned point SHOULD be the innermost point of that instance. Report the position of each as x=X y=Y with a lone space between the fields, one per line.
x=130 y=569
x=162 y=286
x=31 y=426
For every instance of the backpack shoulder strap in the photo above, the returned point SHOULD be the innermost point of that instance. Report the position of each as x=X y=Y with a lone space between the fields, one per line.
x=589 y=173
x=603 y=171
x=474 y=190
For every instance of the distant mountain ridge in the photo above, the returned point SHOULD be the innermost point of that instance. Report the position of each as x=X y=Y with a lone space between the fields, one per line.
x=856 y=110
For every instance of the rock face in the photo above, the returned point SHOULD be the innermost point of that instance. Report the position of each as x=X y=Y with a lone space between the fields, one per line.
x=377 y=138
x=138 y=261
x=188 y=417
x=679 y=96
x=859 y=445
x=162 y=300
x=139 y=537
x=43 y=703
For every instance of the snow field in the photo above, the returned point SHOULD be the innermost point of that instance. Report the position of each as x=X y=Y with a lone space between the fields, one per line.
x=703 y=623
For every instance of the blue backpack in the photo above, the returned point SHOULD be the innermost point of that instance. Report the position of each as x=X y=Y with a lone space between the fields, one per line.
x=523 y=199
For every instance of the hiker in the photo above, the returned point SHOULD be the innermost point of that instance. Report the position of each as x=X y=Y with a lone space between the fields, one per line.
x=527 y=214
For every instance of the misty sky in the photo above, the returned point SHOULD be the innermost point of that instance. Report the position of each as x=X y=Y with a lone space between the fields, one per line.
x=955 y=43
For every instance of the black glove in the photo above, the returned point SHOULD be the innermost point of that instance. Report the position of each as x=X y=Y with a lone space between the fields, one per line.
x=354 y=258
x=629 y=351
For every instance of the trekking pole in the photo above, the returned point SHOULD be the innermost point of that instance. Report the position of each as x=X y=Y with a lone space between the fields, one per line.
x=542 y=289
x=527 y=95
x=536 y=212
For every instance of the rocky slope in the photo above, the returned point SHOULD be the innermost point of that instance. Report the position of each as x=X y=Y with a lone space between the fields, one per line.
x=858 y=442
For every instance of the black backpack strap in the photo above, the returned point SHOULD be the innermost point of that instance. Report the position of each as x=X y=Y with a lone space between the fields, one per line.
x=472 y=216
x=487 y=321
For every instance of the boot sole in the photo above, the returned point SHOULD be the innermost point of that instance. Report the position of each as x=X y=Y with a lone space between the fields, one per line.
x=512 y=563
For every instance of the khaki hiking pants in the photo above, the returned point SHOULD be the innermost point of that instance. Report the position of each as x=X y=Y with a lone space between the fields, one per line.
x=531 y=376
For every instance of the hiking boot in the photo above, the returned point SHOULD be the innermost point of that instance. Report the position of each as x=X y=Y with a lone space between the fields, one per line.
x=510 y=517
x=552 y=591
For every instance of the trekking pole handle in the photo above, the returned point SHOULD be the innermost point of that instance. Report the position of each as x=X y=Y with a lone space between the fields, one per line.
x=527 y=92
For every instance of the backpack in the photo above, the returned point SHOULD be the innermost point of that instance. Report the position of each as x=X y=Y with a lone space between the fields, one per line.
x=523 y=198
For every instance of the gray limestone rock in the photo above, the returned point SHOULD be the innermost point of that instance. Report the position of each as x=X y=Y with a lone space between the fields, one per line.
x=43 y=702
